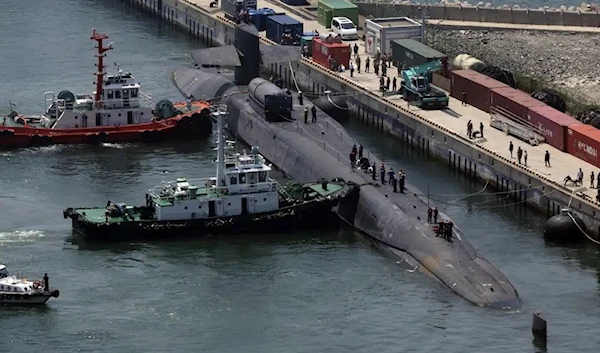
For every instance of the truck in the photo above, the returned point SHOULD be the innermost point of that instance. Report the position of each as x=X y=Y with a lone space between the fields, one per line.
x=416 y=88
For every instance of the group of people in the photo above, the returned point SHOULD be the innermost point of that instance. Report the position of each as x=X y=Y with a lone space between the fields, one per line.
x=470 y=132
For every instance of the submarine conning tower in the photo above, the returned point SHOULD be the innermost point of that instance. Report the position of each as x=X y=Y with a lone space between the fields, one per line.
x=247 y=43
x=269 y=100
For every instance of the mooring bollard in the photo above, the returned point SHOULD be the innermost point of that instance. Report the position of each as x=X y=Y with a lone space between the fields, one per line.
x=538 y=328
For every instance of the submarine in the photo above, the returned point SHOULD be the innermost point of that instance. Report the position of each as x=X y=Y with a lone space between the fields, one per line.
x=263 y=114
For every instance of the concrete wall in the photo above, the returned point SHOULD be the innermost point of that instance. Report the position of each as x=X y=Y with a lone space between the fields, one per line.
x=432 y=138
x=483 y=14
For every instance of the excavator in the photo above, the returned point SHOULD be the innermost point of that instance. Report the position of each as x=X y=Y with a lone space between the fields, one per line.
x=416 y=88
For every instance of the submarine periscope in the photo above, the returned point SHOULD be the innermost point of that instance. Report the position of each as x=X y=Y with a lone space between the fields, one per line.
x=262 y=114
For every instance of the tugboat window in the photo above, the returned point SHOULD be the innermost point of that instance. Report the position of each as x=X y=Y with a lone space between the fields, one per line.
x=117 y=94
x=242 y=178
x=109 y=94
x=262 y=177
x=233 y=180
x=134 y=92
x=251 y=178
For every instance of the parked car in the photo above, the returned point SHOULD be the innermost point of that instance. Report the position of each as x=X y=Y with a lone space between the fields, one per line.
x=344 y=27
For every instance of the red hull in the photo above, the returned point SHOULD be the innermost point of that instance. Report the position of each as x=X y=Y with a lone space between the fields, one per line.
x=189 y=125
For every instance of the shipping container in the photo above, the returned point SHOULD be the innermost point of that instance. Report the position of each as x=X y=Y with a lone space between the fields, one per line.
x=552 y=124
x=295 y=2
x=322 y=51
x=513 y=100
x=328 y=9
x=380 y=32
x=259 y=18
x=411 y=52
x=583 y=142
x=278 y=25
x=477 y=87
x=231 y=8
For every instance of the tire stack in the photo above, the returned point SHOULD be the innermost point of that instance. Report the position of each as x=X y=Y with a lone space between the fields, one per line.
x=501 y=75
x=551 y=98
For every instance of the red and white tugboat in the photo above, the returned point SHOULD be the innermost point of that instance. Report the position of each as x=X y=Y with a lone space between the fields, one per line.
x=118 y=111
x=15 y=290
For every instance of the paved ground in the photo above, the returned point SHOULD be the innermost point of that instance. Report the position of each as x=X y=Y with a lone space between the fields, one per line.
x=456 y=117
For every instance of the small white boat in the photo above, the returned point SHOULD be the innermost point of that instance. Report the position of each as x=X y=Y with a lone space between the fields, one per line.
x=14 y=290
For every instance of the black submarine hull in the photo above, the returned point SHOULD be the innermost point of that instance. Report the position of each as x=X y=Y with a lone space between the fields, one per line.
x=262 y=115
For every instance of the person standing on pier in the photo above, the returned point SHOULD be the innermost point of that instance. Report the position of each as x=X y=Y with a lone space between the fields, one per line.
x=598 y=181
x=401 y=180
x=519 y=154
x=300 y=98
x=355 y=50
x=351 y=69
x=592 y=179
x=354 y=150
x=306 y=115
x=511 y=148
x=391 y=175
x=435 y=214
x=387 y=84
x=376 y=67
x=547 y=159
x=429 y=215
x=464 y=98
x=525 y=157
x=367 y=64
x=481 y=128
x=469 y=128
x=314 y=114
x=358 y=64
x=394 y=84
x=382 y=172
x=580 y=177
x=360 y=152
x=384 y=70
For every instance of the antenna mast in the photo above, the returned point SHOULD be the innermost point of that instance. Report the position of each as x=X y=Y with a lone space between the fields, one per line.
x=100 y=37
x=220 y=112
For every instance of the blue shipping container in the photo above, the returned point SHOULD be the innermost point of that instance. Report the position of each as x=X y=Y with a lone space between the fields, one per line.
x=261 y=18
x=278 y=25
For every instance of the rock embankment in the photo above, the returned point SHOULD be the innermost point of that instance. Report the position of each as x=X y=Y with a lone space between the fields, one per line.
x=568 y=62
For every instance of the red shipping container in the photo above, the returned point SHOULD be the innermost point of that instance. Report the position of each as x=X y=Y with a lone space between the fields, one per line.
x=321 y=52
x=513 y=100
x=477 y=87
x=583 y=141
x=552 y=124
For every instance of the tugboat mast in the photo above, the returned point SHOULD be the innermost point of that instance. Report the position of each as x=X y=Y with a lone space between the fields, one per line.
x=219 y=113
x=98 y=37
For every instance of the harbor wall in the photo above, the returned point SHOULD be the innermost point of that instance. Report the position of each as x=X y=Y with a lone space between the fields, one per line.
x=431 y=138
x=551 y=17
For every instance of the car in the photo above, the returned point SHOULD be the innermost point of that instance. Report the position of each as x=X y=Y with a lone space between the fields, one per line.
x=344 y=27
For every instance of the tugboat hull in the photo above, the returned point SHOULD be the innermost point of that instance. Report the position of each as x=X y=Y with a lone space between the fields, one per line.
x=305 y=215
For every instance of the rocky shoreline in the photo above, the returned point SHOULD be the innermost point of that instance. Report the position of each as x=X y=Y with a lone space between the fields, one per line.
x=567 y=62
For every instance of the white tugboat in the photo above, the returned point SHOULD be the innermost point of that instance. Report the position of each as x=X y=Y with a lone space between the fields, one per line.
x=241 y=197
x=14 y=290
x=117 y=111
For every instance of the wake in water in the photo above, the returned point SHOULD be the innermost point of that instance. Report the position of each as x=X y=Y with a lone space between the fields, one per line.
x=20 y=236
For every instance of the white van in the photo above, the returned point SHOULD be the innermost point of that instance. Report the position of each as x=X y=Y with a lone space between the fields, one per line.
x=344 y=27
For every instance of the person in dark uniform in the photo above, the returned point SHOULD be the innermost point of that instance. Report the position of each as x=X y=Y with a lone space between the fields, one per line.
x=352 y=159
x=429 y=215
x=354 y=150
x=375 y=168
x=464 y=98
x=367 y=64
x=449 y=230
x=388 y=82
x=435 y=214
x=306 y=115
x=440 y=230
x=382 y=172
x=314 y=114
x=401 y=180
x=360 y=152
x=300 y=98
x=394 y=84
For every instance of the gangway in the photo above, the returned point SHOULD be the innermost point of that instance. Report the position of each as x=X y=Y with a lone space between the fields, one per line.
x=512 y=124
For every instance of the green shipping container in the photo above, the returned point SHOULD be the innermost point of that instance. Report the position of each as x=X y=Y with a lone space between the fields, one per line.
x=329 y=9
x=412 y=52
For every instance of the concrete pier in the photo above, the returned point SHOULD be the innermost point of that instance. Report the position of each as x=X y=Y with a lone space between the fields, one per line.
x=437 y=133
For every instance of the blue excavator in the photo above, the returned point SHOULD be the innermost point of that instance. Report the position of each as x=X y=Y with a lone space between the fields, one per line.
x=416 y=88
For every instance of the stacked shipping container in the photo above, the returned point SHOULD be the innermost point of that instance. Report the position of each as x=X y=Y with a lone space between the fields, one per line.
x=513 y=100
x=477 y=87
x=552 y=124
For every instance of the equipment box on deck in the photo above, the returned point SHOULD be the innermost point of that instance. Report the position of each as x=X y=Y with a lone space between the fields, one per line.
x=232 y=8
x=278 y=25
